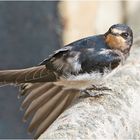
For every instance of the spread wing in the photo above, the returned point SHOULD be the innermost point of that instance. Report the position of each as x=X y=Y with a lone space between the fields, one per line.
x=45 y=96
x=44 y=102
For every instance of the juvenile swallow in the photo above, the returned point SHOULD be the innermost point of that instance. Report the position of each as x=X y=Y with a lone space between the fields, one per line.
x=50 y=87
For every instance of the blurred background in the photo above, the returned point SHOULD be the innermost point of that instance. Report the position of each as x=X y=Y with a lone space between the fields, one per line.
x=30 y=31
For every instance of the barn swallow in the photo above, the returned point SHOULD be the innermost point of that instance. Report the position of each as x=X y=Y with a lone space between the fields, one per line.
x=50 y=87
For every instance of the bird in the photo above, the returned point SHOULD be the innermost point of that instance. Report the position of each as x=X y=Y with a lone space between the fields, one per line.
x=51 y=86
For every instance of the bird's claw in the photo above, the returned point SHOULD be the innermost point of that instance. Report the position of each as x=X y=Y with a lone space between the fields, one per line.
x=92 y=94
x=98 y=88
x=89 y=92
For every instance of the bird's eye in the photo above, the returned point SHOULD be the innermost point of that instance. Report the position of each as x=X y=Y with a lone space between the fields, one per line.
x=125 y=35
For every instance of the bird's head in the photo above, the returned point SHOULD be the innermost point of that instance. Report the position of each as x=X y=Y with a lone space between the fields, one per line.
x=119 y=37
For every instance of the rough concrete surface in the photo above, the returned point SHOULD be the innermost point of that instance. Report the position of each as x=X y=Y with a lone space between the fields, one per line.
x=113 y=116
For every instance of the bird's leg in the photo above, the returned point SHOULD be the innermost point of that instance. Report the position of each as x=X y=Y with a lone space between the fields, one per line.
x=90 y=92
x=98 y=88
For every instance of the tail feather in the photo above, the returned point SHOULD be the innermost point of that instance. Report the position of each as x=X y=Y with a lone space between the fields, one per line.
x=29 y=75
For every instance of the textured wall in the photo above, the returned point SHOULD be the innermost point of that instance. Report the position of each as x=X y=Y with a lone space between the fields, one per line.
x=132 y=13
x=85 y=18
x=29 y=31
x=78 y=19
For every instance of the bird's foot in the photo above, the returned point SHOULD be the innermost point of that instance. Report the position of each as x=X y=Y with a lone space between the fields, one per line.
x=98 y=88
x=96 y=91
x=94 y=94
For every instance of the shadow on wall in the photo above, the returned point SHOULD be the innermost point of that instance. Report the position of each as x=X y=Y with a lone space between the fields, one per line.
x=29 y=32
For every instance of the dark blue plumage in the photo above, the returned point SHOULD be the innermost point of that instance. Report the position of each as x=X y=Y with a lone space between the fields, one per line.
x=92 y=53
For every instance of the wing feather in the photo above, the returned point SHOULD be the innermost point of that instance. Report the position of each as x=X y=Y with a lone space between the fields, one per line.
x=45 y=110
x=36 y=92
x=41 y=100
x=67 y=99
x=45 y=102
x=26 y=88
